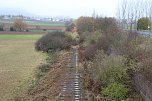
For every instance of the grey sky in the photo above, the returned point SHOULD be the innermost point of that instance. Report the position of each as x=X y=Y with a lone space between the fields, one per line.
x=71 y=8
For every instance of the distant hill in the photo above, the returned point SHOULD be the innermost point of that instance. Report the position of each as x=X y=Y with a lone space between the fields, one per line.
x=14 y=11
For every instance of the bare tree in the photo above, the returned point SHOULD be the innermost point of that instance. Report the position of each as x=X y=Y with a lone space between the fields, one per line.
x=129 y=11
x=150 y=13
x=124 y=6
x=19 y=25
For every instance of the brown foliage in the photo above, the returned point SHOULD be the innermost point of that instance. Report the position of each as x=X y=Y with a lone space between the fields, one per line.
x=115 y=41
x=84 y=24
x=19 y=25
x=91 y=24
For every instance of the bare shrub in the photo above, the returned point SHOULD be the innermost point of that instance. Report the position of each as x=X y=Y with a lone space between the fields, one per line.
x=109 y=24
x=104 y=43
x=128 y=43
x=53 y=41
x=146 y=61
x=19 y=25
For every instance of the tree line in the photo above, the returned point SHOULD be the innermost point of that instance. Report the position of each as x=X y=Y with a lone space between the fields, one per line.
x=91 y=24
x=129 y=11
x=18 y=25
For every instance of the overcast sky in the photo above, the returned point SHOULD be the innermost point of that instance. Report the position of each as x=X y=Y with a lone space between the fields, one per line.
x=70 y=8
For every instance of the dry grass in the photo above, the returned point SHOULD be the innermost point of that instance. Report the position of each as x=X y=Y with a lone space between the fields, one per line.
x=17 y=62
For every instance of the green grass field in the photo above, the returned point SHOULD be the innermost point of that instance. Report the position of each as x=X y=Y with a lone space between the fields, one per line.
x=41 y=30
x=23 y=37
x=18 y=60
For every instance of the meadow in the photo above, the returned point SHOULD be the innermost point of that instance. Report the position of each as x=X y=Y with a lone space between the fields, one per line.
x=19 y=37
x=18 y=60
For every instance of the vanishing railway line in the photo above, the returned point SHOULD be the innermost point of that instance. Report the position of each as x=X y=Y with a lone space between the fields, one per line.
x=71 y=86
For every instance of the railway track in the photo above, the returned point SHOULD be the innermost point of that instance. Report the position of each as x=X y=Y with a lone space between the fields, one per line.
x=71 y=86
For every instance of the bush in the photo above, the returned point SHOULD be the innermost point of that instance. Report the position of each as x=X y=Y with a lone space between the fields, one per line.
x=89 y=52
x=83 y=36
x=110 y=69
x=51 y=57
x=116 y=91
x=109 y=24
x=70 y=27
x=106 y=40
x=103 y=43
x=27 y=30
x=117 y=42
x=92 y=38
x=143 y=24
x=1 y=27
x=104 y=70
x=12 y=29
x=71 y=38
x=84 y=24
x=90 y=77
x=128 y=43
x=145 y=61
x=52 y=41
x=44 y=29
x=42 y=69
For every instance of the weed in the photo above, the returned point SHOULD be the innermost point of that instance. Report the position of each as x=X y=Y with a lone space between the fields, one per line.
x=116 y=90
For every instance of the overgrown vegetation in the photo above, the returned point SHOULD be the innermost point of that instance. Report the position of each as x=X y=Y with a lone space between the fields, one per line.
x=45 y=67
x=54 y=41
x=42 y=69
x=90 y=38
x=90 y=24
x=107 y=71
x=69 y=25
x=47 y=73
x=109 y=56
x=116 y=91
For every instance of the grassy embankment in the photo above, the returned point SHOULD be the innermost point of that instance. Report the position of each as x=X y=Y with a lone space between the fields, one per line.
x=18 y=60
